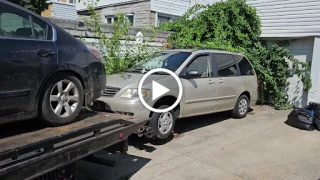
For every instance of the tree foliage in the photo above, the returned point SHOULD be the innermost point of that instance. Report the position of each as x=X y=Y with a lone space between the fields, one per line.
x=235 y=26
x=120 y=51
x=36 y=6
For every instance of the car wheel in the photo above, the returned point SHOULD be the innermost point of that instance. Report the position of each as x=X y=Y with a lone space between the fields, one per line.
x=163 y=123
x=241 y=108
x=62 y=100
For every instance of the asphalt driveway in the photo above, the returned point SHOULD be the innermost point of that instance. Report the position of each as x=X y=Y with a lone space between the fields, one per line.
x=216 y=146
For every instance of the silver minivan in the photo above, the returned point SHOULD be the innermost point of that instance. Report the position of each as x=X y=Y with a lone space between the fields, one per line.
x=213 y=81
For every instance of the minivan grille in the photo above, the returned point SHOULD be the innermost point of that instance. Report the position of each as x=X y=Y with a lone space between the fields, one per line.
x=110 y=91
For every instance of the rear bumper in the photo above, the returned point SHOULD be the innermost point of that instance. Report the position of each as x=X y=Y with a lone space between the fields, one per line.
x=254 y=99
x=120 y=105
x=95 y=86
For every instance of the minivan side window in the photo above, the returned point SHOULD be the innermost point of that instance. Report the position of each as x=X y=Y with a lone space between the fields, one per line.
x=15 y=23
x=226 y=65
x=201 y=64
x=245 y=67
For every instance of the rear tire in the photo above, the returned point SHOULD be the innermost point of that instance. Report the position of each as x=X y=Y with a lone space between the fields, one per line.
x=241 y=108
x=62 y=100
x=163 y=123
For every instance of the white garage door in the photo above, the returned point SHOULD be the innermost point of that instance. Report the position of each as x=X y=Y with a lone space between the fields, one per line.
x=302 y=49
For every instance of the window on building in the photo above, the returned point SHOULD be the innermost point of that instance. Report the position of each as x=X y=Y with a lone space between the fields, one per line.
x=163 y=18
x=68 y=1
x=109 y=20
x=130 y=18
x=112 y=19
x=226 y=65
x=72 y=1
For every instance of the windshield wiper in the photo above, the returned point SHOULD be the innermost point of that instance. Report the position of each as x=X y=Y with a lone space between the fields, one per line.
x=161 y=73
x=138 y=70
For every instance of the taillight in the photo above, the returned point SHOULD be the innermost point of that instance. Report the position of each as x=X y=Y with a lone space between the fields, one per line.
x=121 y=135
x=95 y=52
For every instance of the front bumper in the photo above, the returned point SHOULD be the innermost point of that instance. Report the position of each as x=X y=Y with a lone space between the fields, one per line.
x=127 y=106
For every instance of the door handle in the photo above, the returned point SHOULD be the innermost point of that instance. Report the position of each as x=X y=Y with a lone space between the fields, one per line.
x=221 y=81
x=211 y=82
x=45 y=52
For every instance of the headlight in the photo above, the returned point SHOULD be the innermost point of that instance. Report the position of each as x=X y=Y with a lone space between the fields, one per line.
x=131 y=93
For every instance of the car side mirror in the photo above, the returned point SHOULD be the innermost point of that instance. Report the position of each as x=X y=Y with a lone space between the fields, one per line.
x=192 y=74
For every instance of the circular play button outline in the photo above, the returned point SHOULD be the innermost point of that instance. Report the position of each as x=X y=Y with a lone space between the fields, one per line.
x=144 y=77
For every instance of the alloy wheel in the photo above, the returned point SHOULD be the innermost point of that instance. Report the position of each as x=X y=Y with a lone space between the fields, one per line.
x=64 y=98
x=243 y=106
x=165 y=122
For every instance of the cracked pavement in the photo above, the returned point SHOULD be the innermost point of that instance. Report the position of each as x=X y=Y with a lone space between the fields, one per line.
x=216 y=146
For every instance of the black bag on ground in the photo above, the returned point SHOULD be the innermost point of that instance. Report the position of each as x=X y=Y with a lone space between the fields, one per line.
x=316 y=120
x=300 y=118
x=315 y=107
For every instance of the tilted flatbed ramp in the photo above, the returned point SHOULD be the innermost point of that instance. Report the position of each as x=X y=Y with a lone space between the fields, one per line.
x=32 y=154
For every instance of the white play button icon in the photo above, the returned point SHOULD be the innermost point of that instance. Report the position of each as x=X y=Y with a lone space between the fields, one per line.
x=158 y=90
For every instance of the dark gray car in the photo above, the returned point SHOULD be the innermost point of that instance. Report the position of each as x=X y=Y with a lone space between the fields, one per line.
x=44 y=71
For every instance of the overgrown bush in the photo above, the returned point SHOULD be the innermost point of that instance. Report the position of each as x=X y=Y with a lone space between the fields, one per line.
x=235 y=26
x=120 y=51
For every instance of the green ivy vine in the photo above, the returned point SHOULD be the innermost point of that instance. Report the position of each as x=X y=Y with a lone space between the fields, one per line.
x=119 y=51
x=234 y=26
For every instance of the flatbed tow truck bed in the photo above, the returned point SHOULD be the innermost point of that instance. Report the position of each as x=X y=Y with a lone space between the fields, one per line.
x=33 y=154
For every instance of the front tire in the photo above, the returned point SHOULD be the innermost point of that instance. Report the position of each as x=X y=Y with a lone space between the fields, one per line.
x=62 y=100
x=163 y=123
x=242 y=107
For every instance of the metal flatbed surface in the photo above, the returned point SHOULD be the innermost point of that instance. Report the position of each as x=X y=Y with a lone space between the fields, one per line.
x=23 y=133
x=29 y=150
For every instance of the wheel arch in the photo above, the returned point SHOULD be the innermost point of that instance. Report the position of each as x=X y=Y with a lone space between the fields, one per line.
x=247 y=94
x=167 y=100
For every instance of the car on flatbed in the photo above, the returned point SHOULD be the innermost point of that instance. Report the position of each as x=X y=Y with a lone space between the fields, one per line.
x=44 y=71
x=212 y=80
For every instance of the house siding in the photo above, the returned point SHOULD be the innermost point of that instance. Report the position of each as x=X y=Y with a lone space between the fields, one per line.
x=47 y=12
x=81 y=6
x=64 y=11
x=178 y=7
x=290 y=18
x=141 y=10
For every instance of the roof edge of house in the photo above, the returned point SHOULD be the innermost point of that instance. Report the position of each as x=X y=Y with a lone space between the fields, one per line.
x=113 y=5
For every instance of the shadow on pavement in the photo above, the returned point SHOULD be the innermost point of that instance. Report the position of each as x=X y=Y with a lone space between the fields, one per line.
x=182 y=126
x=127 y=166
x=189 y=124
x=140 y=143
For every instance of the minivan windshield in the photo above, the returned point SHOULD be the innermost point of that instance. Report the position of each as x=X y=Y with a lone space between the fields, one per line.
x=168 y=60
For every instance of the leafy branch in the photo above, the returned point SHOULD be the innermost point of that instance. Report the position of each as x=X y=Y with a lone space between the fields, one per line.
x=234 y=26
x=119 y=52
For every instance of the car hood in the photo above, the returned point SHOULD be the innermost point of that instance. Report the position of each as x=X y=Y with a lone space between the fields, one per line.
x=124 y=79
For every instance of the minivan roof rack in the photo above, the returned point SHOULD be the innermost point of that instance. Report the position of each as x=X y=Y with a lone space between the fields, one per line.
x=205 y=48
